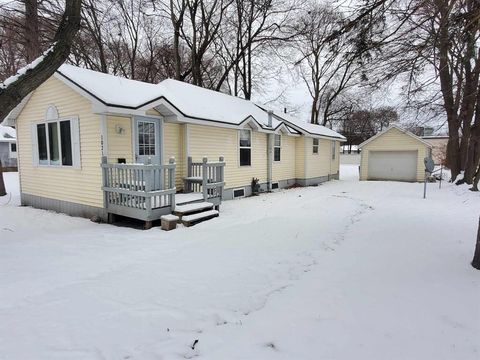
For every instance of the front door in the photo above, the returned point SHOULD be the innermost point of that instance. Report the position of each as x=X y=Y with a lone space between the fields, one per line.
x=147 y=140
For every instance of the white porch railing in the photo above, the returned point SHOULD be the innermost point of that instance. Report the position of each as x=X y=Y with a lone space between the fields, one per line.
x=143 y=192
x=206 y=177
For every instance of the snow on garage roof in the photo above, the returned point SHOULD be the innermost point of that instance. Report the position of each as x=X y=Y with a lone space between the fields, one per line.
x=192 y=101
x=406 y=132
x=7 y=133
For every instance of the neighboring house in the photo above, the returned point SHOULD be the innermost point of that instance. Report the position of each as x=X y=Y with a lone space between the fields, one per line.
x=394 y=154
x=439 y=148
x=85 y=137
x=8 y=147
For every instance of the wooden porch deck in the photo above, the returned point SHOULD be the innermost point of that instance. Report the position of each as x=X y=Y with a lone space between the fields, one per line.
x=146 y=192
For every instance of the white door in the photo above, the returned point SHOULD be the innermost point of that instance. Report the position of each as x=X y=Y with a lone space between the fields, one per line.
x=392 y=165
x=147 y=140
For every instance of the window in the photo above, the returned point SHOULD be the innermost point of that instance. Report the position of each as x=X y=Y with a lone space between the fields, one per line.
x=237 y=193
x=146 y=138
x=275 y=186
x=245 y=147
x=334 y=149
x=13 y=147
x=315 y=146
x=54 y=143
x=277 y=146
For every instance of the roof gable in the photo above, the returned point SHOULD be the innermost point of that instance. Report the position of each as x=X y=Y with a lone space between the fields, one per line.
x=403 y=131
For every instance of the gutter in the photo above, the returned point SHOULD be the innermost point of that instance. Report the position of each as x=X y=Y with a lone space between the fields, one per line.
x=269 y=152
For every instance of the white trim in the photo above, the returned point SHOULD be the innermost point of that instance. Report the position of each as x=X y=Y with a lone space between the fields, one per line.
x=406 y=132
x=244 y=147
x=77 y=89
x=275 y=146
x=12 y=154
x=186 y=144
x=305 y=156
x=318 y=146
x=74 y=142
x=238 y=197
x=104 y=134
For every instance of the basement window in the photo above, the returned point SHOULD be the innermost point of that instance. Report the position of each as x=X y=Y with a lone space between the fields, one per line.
x=238 y=193
x=274 y=185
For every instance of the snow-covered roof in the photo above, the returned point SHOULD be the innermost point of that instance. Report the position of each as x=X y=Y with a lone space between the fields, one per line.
x=190 y=100
x=7 y=134
x=309 y=128
x=406 y=132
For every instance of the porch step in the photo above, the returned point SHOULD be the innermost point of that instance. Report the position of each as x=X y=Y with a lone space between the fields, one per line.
x=192 y=208
x=189 y=220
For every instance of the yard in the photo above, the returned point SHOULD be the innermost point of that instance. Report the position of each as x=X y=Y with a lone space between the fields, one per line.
x=345 y=270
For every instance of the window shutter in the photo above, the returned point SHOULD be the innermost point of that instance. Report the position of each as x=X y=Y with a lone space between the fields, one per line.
x=77 y=163
x=33 y=134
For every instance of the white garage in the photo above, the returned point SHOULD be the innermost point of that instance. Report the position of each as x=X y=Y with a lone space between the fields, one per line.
x=394 y=154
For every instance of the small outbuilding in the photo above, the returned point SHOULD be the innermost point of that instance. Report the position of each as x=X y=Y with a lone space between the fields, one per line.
x=394 y=154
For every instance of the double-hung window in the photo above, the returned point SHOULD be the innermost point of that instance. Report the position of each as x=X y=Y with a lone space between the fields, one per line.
x=334 y=149
x=315 y=146
x=55 y=144
x=245 y=147
x=277 y=147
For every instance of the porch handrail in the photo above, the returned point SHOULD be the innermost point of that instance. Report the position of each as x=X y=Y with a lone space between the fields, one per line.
x=139 y=187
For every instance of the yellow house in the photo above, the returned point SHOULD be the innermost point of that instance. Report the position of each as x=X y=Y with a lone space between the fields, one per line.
x=394 y=154
x=92 y=144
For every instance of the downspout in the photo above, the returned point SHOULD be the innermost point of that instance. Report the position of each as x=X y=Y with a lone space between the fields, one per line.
x=269 y=152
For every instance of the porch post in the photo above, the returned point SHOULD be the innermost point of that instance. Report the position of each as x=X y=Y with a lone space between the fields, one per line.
x=148 y=187
x=105 y=182
x=204 y=178
x=171 y=182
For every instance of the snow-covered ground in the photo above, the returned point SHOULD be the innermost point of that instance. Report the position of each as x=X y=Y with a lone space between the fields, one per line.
x=345 y=270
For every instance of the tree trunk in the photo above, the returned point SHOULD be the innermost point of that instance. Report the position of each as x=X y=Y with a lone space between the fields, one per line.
x=476 y=256
x=13 y=94
x=32 y=41
x=2 y=183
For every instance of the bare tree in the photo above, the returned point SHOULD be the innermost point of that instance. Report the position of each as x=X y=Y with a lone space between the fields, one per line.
x=476 y=256
x=328 y=68
x=13 y=90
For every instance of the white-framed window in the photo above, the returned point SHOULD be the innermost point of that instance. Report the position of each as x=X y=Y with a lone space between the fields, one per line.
x=56 y=142
x=13 y=150
x=277 y=148
x=146 y=138
x=315 y=146
x=245 y=147
x=334 y=149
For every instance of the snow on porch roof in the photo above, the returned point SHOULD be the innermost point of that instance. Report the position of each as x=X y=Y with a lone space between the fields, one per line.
x=190 y=100
x=7 y=133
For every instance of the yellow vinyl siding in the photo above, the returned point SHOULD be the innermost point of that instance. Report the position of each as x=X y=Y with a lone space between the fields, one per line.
x=213 y=142
x=336 y=163
x=394 y=140
x=82 y=186
x=320 y=164
x=174 y=146
x=119 y=145
x=300 y=157
x=285 y=168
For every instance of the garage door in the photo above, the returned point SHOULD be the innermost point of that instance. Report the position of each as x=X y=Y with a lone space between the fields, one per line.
x=392 y=165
